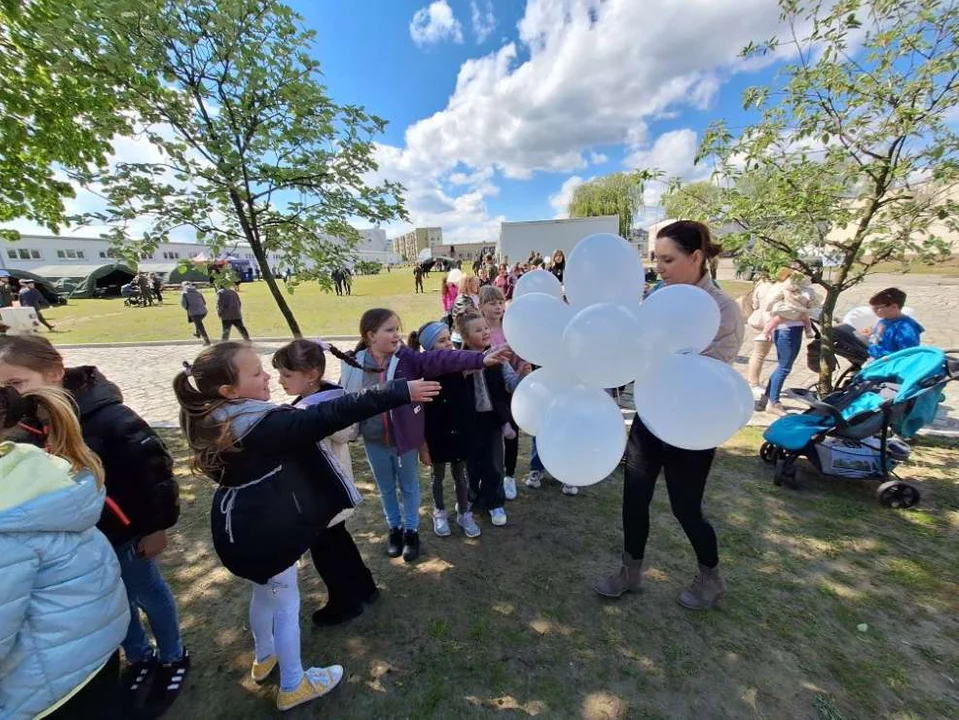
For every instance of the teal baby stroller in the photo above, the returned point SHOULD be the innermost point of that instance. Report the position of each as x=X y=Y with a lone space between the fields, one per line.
x=848 y=433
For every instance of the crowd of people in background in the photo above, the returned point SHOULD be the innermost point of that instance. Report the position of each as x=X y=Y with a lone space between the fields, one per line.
x=88 y=494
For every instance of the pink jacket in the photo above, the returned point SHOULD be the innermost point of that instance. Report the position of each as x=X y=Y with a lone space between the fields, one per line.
x=450 y=292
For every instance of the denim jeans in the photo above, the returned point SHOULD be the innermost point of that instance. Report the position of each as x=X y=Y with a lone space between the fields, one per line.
x=397 y=473
x=535 y=464
x=148 y=591
x=788 y=341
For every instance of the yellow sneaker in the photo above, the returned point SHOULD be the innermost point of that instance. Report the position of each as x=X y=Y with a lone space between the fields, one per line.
x=316 y=682
x=261 y=670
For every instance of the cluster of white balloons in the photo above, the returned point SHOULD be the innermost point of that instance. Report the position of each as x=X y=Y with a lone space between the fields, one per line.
x=603 y=335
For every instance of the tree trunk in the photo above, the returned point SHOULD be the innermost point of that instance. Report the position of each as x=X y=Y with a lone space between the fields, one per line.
x=278 y=295
x=827 y=354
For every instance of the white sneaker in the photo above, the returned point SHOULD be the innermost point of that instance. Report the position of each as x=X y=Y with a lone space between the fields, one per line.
x=570 y=490
x=498 y=517
x=509 y=487
x=470 y=528
x=441 y=523
x=533 y=480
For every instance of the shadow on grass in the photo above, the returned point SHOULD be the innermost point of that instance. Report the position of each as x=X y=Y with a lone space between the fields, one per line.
x=507 y=624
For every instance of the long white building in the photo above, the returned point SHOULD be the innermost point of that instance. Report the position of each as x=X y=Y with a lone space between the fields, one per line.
x=54 y=256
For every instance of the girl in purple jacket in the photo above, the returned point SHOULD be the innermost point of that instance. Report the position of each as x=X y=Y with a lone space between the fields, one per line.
x=393 y=439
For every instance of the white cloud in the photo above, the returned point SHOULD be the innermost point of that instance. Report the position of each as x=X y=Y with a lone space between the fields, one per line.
x=560 y=201
x=484 y=20
x=435 y=23
x=597 y=158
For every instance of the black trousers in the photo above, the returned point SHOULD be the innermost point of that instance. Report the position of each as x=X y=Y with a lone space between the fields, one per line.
x=238 y=324
x=511 y=448
x=99 y=698
x=340 y=565
x=685 y=472
x=199 y=329
x=485 y=462
x=42 y=319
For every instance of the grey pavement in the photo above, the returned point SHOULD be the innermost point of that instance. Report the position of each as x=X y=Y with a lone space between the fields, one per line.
x=145 y=373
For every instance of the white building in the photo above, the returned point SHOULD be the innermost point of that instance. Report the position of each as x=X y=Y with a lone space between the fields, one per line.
x=518 y=239
x=54 y=256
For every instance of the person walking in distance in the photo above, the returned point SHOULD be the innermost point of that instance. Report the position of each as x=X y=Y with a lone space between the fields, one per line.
x=146 y=288
x=157 y=285
x=230 y=309
x=6 y=293
x=192 y=301
x=418 y=279
x=32 y=298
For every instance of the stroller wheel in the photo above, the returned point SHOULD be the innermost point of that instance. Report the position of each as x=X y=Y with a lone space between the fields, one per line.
x=897 y=495
x=767 y=453
x=785 y=474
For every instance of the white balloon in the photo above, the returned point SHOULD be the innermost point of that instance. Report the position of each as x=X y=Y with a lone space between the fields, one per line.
x=583 y=436
x=538 y=281
x=694 y=402
x=606 y=346
x=679 y=318
x=454 y=276
x=535 y=394
x=604 y=268
x=863 y=317
x=534 y=326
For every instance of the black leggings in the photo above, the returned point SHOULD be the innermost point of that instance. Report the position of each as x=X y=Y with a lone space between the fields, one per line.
x=686 y=472
x=485 y=462
x=512 y=451
x=99 y=698
x=340 y=565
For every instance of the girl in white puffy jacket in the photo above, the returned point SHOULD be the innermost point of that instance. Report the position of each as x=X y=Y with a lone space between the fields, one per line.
x=63 y=607
x=349 y=582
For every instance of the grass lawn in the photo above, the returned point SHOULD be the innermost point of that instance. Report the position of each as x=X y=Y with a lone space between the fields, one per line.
x=507 y=622
x=319 y=313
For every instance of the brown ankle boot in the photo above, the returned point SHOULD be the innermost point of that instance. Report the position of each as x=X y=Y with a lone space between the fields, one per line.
x=706 y=590
x=629 y=578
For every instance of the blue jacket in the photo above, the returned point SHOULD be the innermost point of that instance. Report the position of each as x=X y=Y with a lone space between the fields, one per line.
x=63 y=607
x=891 y=336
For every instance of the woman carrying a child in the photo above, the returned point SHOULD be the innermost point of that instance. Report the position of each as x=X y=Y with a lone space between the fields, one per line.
x=789 y=306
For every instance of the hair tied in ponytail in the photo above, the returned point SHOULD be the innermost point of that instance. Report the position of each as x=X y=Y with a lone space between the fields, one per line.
x=187 y=369
x=324 y=345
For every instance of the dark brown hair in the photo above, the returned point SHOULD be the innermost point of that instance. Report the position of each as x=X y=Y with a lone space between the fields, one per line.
x=889 y=296
x=691 y=236
x=30 y=351
x=371 y=321
x=305 y=355
x=197 y=389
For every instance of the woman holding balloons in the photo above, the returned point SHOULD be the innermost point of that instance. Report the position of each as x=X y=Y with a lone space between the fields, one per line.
x=683 y=252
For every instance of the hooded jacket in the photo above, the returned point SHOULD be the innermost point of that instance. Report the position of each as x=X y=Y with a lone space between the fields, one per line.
x=278 y=489
x=137 y=465
x=893 y=335
x=63 y=607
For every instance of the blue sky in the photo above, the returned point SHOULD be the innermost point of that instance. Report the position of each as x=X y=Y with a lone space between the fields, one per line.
x=564 y=90
x=498 y=109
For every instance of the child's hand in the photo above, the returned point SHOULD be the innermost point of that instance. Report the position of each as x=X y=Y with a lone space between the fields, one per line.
x=497 y=356
x=425 y=456
x=867 y=331
x=423 y=391
x=152 y=545
x=525 y=369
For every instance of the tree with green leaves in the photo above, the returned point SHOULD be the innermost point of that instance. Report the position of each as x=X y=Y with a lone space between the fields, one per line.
x=616 y=194
x=251 y=147
x=853 y=158
x=55 y=120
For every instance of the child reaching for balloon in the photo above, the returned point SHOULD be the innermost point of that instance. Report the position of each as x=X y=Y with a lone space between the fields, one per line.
x=488 y=410
x=276 y=492
x=492 y=306
x=393 y=439
x=792 y=300
x=349 y=582
x=447 y=431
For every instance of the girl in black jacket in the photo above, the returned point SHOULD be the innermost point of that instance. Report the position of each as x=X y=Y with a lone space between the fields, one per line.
x=142 y=503
x=277 y=491
x=447 y=435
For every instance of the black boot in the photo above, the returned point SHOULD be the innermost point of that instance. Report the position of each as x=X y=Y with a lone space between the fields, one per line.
x=394 y=546
x=411 y=545
x=334 y=614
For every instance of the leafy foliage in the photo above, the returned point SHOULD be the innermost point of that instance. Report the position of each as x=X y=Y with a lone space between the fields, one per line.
x=855 y=158
x=251 y=147
x=617 y=194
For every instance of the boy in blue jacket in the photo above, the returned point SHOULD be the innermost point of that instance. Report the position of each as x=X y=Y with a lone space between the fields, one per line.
x=894 y=331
